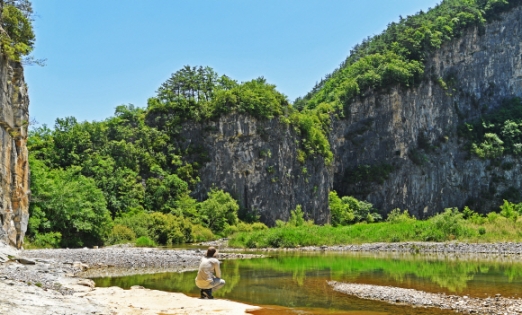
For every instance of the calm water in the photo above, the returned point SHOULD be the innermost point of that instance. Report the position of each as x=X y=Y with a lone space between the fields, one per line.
x=296 y=283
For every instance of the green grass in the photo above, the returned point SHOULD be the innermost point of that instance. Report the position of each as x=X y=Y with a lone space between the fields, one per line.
x=443 y=227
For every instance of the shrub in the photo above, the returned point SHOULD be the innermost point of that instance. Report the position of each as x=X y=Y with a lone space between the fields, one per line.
x=229 y=230
x=296 y=217
x=121 y=234
x=201 y=234
x=47 y=240
x=280 y=224
x=477 y=219
x=481 y=230
x=258 y=226
x=342 y=213
x=510 y=210
x=396 y=216
x=144 y=241
x=446 y=226
x=168 y=229
x=492 y=217
x=139 y=223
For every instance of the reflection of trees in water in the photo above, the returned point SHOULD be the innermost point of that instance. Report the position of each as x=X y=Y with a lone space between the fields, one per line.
x=452 y=275
x=513 y=273
x=299 y=276
x=230 y=273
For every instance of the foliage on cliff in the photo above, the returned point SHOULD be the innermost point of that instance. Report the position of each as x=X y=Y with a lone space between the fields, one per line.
x=200 y=94
x=396 y=56
x=497 y=133
x=17 y=38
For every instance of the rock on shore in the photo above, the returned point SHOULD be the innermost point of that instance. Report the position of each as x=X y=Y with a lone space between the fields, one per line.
x=461 y=304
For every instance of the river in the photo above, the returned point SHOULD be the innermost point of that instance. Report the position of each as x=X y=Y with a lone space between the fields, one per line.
x=295 y=283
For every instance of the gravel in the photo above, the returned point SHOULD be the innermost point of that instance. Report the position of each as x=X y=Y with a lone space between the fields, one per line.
x=461 y=304
x=411 y=247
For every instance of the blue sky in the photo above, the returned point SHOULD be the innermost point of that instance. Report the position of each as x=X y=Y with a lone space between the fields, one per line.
x=104 y=53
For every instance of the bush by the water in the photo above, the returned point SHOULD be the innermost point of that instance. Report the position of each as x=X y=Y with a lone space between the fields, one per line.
x=144 y=241
x=400 y=226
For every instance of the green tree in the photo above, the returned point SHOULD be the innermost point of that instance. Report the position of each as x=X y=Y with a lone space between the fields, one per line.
x=18 y=39
x=342 y=214
x=510 y=210
x=218 y=211
x=69 y=203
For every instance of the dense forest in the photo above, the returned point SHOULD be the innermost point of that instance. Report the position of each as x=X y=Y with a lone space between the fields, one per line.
x=127 y=177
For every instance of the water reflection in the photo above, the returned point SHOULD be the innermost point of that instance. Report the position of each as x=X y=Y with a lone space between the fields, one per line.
x=299 y=280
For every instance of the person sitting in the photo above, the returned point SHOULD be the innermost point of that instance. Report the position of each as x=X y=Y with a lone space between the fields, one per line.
x=206 y=280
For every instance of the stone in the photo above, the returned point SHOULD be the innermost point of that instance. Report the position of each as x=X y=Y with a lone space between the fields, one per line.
x=24 y=261
x=86 y=282
x=80 y=266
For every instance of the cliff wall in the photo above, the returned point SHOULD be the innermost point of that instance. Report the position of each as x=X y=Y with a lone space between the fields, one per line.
x=415 y=130
x=255 y=161
x=14 y=166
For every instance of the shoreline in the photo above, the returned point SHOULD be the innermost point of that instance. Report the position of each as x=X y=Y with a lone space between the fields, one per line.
x=452 y=247
x=53 y=280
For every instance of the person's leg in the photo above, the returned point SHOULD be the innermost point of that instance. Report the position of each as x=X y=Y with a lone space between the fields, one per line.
x=217 y=284
x=206 y=294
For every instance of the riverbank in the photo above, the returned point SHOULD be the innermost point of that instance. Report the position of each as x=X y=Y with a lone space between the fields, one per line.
x=52 y=280
x=126 y=260
x=48 y=282
x=452 y=247
x=416 y=298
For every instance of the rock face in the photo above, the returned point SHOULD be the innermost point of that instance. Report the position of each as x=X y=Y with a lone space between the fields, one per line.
x=407 y=134
x=414 y=131
x=255 y=161
x=14 y=166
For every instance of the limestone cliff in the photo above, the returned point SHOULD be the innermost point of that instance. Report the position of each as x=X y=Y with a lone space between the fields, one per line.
x=410 y=133
x=414 y=131
x=14 y=166
x=255 y=161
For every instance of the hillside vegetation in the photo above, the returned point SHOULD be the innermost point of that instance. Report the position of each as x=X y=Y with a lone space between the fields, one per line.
x=127 y=178
x=397 y=55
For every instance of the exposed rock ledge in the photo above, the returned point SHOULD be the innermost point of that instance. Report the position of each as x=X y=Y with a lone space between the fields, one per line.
x=18 y=298
x=460 y=304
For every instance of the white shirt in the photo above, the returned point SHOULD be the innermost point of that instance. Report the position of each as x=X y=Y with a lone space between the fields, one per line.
x=207 y=268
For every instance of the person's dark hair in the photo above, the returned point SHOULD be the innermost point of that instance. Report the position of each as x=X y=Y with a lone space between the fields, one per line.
x=211 y=251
